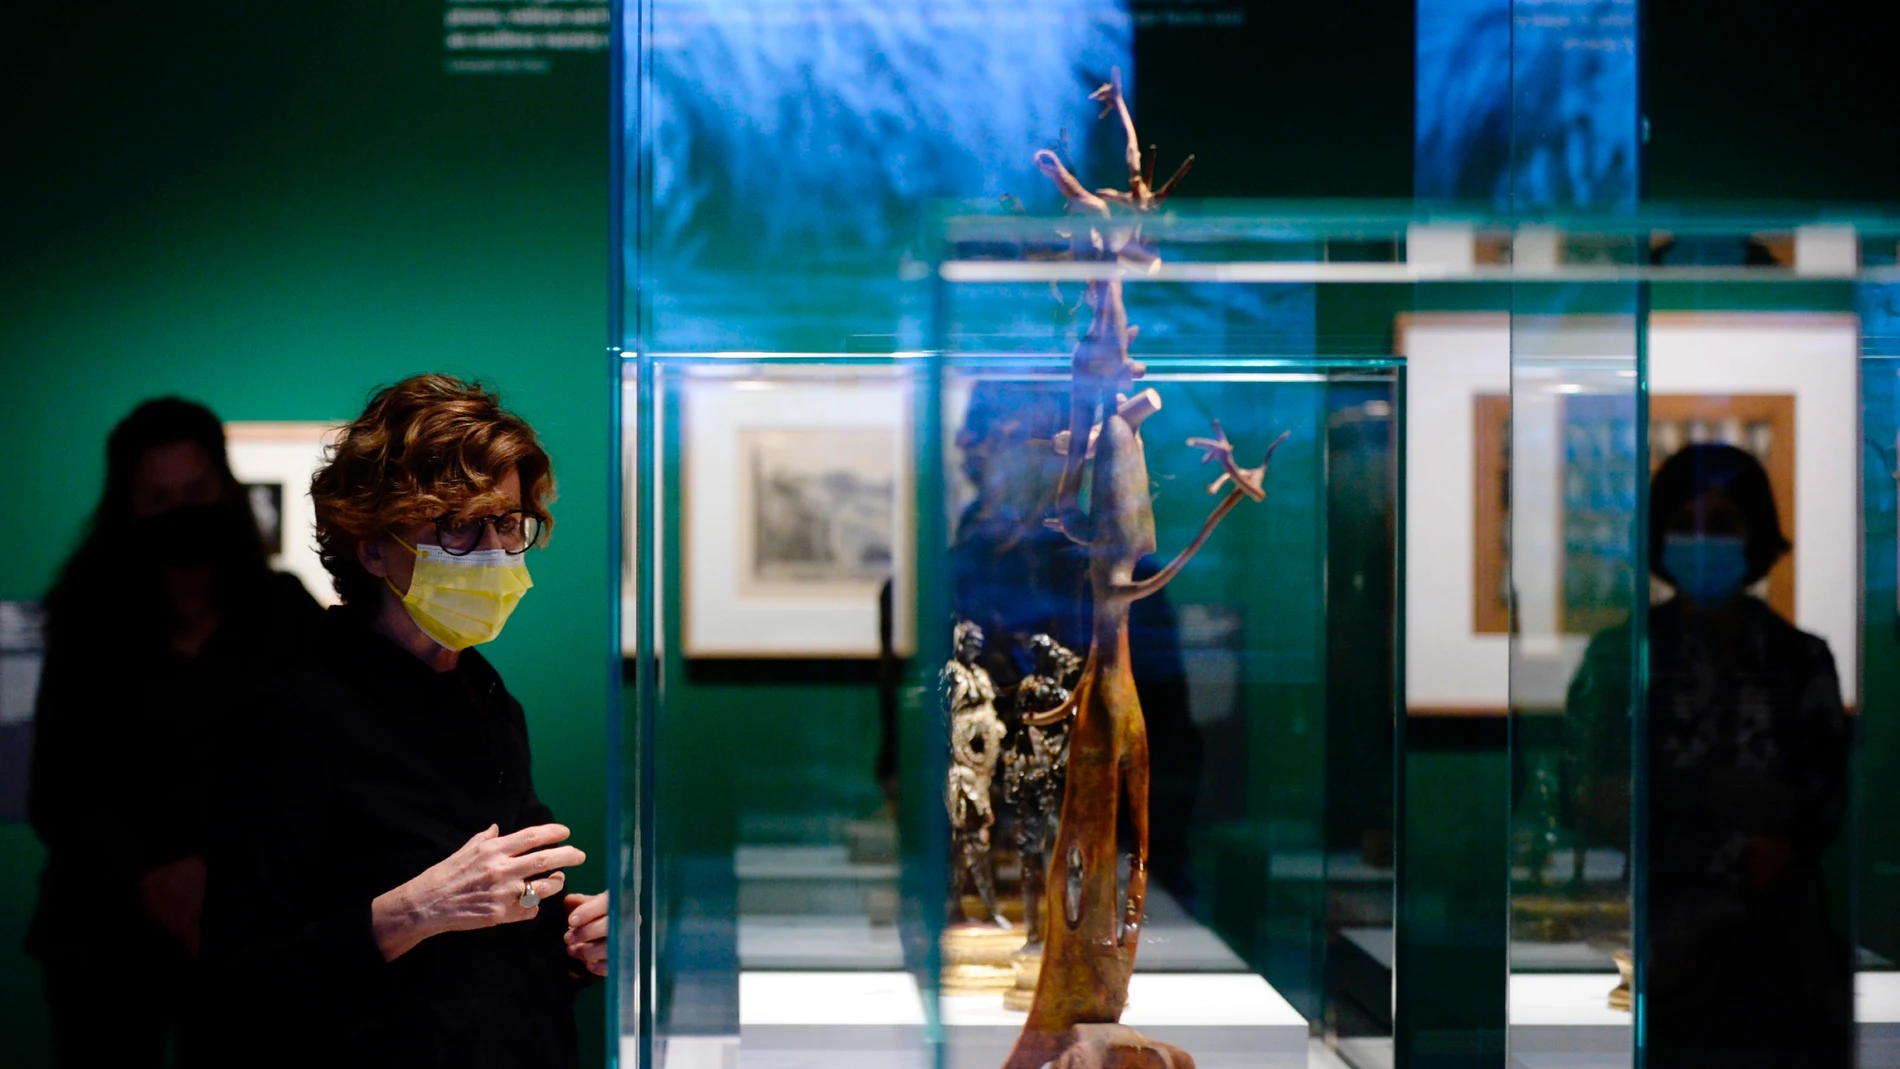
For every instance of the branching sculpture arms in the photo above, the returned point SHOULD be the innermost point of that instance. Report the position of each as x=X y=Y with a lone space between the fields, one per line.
x=1249 y=481
x=1110 y=96
x=1080 y=200
x=1142 y=195
x=1246 y=482
x=1066 y=709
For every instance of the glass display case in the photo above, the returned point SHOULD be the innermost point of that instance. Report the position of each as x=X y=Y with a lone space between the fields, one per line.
x=1529 y=706
x=917 y=689
x=1413 y=762
x=1676 y=458
x=1696 y=655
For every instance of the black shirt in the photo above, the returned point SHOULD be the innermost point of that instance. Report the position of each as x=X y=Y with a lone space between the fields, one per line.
x=123 y=732
x=1749 y=744
x=365 y=768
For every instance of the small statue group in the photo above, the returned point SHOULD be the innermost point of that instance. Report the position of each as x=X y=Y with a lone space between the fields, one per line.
x=976 y=744
x=1034 y=769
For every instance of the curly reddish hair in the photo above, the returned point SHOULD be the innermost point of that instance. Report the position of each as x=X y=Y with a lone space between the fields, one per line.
x=429 y=446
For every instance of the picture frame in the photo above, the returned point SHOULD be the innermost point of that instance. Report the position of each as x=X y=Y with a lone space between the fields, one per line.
x=1784 y=378
x=1491 y=523
x=630 y=510
x=275 y=461
x=797 y=506
x=22 y=655
x=1763 y=424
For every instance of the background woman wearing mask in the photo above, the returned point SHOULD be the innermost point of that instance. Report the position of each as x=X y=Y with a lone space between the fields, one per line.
x=162 y=623
x=386 y=887
x=1748 y=748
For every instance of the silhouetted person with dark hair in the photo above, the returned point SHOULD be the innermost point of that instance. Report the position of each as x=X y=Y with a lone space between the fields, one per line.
x=1015 y=578
x=1748 y=746
x=161 y=623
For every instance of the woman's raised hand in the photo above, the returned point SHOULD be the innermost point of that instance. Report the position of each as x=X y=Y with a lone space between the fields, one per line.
x=586 y=937
x=478 y=886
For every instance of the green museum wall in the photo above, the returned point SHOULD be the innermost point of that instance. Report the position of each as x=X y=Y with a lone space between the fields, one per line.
x=273 y=211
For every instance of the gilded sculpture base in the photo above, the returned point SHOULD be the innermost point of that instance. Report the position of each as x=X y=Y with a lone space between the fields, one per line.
x=977 y=958
x=1556 y=918
x=1621 y=997
x=1027 y=964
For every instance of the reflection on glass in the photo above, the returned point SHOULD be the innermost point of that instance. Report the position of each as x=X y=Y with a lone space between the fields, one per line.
x=1019 y=578
x=1266 y=693
x=1577 y=415
x=1748 y=745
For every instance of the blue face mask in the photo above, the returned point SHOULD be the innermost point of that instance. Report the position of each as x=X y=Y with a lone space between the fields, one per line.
x=1708 y=569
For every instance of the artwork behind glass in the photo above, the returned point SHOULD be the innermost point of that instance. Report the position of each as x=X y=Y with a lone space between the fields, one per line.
x=795 y=494
x=1599 y=483
x=274 y=461
x=22 y=651
x=267 y=507
x=1598 y=509
x=1491 y=485
x=818 y=510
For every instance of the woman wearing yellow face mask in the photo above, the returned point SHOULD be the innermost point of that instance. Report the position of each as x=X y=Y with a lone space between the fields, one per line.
x=386 y=885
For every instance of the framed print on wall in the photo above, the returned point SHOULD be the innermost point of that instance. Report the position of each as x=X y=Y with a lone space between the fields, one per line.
x=1762 y=424
x=1491 y=522
x=797 y=503
x=274 y=462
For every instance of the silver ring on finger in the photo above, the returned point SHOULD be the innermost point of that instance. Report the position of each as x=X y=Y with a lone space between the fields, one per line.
x=528 y=898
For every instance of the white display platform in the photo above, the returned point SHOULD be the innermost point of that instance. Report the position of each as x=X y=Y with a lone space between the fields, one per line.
x=1877 y=1013
x=808 y=943
x=812 y=909
x=1563 y=1021
x=1223 y=1019
x=793 y=1020
x=812 y=880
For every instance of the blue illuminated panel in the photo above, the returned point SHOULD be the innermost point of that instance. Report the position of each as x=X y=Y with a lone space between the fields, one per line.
x=795 y=147
x=1528 y=104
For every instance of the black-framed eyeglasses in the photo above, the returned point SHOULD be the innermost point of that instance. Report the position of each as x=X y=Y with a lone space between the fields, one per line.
x=517 y=530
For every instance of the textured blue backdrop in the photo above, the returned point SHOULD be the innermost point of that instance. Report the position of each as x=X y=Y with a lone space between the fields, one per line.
x=1527 y=104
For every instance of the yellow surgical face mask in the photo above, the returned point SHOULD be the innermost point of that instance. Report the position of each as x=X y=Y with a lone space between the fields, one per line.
x=463 y=601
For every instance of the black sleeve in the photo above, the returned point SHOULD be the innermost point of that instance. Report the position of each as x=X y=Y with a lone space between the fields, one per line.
x=278 y=938
x=295 y=614
x=1596 y=759
x=1825 y=739
x=82 y=738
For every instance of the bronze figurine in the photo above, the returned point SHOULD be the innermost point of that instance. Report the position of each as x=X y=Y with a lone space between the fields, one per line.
x=976 y=745
x=1035 y=769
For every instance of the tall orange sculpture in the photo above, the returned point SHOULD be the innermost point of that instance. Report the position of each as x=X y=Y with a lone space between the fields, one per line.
x=1094 y=923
